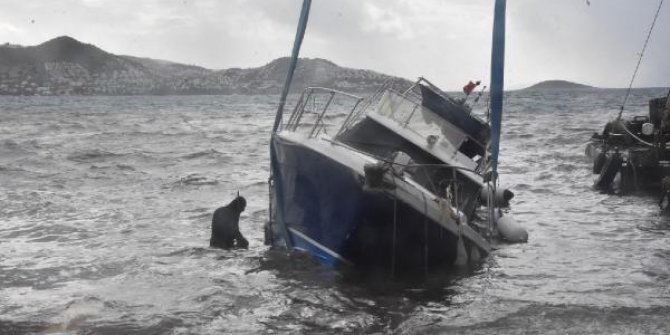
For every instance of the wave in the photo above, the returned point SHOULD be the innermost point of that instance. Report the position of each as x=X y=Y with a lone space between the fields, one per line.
x=566 y=139
x=514 y=135
x=220 y=138
x=194 y=179
x=125 y=167
x=94 y=155
x=191 y=251
x=12 y=147
x=566 y=168
x=6 y=168
x=10 y=144
x=258 y=183
x=200 y=154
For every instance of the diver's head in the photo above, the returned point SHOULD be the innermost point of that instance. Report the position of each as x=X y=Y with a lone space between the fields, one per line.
x=239 y=203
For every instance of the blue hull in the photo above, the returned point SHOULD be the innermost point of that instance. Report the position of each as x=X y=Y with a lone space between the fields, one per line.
x=321 y=207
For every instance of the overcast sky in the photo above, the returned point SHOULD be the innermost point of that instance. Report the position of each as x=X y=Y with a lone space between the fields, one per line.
x=447 y=41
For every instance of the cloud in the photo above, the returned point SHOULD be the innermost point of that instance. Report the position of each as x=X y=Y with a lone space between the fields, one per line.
x=599 y=44
x=405 y=38
x=7 y=28
x=446 y=41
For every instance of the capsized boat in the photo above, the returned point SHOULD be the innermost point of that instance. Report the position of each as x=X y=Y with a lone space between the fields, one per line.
x=632 y=154
x=395 y=182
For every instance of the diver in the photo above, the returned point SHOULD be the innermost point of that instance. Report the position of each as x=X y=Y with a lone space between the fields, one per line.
x=225 y=226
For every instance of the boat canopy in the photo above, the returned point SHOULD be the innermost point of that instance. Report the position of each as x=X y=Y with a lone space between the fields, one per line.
x=456 y=114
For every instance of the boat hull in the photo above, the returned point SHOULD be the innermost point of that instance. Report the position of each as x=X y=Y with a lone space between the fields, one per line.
x=632 y=154
x=627 y=169
x=321 y=205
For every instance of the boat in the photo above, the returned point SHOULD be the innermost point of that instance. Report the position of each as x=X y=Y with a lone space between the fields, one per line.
x=402 y=182
x=632 y=154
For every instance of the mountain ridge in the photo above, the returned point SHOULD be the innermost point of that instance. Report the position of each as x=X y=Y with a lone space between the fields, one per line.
x=64 y=65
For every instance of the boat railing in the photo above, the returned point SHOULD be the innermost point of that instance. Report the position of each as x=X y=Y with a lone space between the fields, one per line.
x=405 y=109
x=316 y=106
x=372 y=102
x=408 y=94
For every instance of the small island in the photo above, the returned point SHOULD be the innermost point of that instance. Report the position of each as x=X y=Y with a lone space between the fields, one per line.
x=559 y=85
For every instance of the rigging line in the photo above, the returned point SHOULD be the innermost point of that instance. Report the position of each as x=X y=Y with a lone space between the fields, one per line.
x=395 y=228
x=425 y=173
x=634 y=136
x=639 y=61
x=425 y=233
x=632 y=165
x=395 y=235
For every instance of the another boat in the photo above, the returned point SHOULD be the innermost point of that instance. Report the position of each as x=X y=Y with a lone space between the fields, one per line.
x=393 y=183
x=633 y=154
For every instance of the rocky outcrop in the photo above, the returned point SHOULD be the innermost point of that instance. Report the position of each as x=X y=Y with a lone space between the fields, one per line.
x=66 y=66
x=559 y=85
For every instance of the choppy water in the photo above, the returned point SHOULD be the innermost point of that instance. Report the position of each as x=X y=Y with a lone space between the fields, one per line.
x=105 y=207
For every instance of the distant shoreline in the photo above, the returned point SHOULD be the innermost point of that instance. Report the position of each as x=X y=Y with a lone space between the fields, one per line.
x=66 y=67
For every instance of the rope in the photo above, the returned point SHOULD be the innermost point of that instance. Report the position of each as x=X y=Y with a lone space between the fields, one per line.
x=639 y=61
x=635 y=137
x=637 y=186
x=428 y=178
x=425 y=234
x=395 y=229
x=491 y=207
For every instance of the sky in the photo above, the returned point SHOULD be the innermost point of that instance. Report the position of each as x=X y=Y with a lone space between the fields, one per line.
x=447 y=41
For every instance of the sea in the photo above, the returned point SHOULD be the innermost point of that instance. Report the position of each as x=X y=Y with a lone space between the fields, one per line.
x=106 y=205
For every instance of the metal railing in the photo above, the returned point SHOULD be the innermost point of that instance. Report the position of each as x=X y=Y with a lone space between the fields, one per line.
x=356 y=115
x=308 y=104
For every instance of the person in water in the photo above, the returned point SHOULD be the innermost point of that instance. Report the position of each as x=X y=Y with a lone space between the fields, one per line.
x=225 y=226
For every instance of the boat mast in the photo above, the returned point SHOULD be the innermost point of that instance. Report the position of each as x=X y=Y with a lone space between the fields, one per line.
x=274 y=168
x=496 y=98
x=299 y=35
x=497 y=83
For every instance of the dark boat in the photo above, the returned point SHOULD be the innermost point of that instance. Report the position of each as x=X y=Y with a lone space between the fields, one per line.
x=633 y=154
x=396 y=186
x=393 y=183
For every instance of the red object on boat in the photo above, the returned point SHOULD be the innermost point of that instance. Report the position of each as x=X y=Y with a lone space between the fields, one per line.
x=469 y=87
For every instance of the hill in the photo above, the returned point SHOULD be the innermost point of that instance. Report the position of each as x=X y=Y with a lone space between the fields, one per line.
x=558 y=85
x=66 y=66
